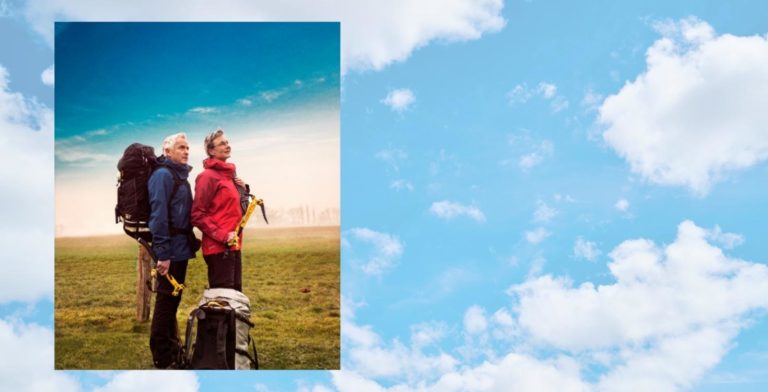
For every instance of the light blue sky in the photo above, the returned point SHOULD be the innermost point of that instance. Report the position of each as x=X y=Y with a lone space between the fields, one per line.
x=535 y=195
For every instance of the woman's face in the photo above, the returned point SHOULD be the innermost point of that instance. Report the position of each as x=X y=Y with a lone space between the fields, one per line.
x=220 y=149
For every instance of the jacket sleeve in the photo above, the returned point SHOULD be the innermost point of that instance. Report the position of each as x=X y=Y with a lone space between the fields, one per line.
x=160 y=187
x=205 y=190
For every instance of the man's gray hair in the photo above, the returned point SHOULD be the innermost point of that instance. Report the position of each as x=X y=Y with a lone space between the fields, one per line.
x=171 y=140
x=210 y=138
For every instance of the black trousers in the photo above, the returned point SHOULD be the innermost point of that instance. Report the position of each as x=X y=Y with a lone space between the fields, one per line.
x=225 y=270
x=164 y=333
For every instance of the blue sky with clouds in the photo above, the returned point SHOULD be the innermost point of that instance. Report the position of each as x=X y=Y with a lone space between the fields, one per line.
x=535 y=195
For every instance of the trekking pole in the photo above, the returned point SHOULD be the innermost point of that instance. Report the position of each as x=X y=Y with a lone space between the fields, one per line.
x=248 y=212
x=177 y=287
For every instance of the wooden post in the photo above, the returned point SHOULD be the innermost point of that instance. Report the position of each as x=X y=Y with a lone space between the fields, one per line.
x=143 y=294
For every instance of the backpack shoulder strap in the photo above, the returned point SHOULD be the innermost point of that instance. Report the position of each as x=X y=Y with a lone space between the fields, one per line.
x=177 y=181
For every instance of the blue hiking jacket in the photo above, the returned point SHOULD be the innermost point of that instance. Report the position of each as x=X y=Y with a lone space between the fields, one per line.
x=165 y=214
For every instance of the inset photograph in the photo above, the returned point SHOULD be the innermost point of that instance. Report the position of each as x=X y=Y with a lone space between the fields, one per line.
x=197 y=177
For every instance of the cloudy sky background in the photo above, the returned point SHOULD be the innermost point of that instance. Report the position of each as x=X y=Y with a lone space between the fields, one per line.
x=535 y=195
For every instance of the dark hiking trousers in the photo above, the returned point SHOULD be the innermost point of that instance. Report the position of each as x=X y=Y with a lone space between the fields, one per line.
x=164 y=333
x=225 y=270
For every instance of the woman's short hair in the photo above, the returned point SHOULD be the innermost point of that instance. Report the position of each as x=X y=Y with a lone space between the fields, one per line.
x=210 y=138
x=171 y=140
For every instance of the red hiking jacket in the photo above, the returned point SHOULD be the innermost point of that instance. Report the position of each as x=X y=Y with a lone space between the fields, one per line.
x=216 y=208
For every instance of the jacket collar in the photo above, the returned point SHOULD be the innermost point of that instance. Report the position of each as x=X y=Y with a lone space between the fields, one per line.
x=181 y=169
x=220 y=166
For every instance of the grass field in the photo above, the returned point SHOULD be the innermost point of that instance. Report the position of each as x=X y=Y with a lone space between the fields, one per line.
x=95 y=303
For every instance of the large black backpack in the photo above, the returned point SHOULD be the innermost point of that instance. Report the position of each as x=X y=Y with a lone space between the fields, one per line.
x=136 y=165
x=218 y=332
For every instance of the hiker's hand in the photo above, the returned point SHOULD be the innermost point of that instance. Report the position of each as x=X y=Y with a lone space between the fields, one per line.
x=239 y=181
x=163 y=266
x=230 y=236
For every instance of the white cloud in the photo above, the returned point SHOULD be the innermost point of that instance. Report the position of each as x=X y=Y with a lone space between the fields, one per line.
x=368 y=355
x=26 y=360
x=591 y=100
x=521 y=93
x=513 y=372
x=564 y=198
x=73 y=151
x=392 y=156
x=669 y=317
x=622 y=205
x=374 y=35
x=587 y=250
x=245 y=102
x=26 y=138
x=203 y=110
x=727 y=240
x=537 y=235
x=261 y=388
x=401 y=184
x=47 y=76
x=559 y=104
x=543 y=213
x=448 y=210
x=671 y=312
x=399 y=100
x=536 y=157
x=427 y=334
x=546 y=90
x=475 y=321
x=271 y=95
x=386 y=251
x=175 y=381
x=697 y=113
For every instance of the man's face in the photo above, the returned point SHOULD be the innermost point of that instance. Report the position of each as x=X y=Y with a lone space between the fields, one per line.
x=179 y=153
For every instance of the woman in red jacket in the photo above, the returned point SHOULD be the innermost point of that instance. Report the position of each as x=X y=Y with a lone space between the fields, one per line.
x=216 y=212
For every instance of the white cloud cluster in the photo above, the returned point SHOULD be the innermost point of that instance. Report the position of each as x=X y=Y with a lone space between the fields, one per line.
x=448 y=210
x=521 y=93
x=176 y=381
x=392 y=156
x=543 y=213
x=203 y=110
x=374 y=34
x=671 y=313
x=669 y=317
x=474 y=320
x=587 y=250
x=622 y=205
x=535 y=157
x=697 y=113
x=537 y=235
x=385 y=253
x=26 y=360
x=48 y=76
x=26 y=139
x=371 y=357
x=727 y=240
x=401 y=184
x=399 y=100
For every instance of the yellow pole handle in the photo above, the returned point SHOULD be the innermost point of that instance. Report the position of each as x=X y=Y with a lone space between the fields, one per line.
x=177 y=287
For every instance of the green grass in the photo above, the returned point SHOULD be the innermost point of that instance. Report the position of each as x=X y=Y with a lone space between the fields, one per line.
x=95 y=304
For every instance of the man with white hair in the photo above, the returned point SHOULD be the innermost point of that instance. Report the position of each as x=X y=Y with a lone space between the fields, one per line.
x=170 y=198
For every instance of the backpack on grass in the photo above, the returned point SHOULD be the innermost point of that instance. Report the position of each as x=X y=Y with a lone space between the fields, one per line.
x=218 y=332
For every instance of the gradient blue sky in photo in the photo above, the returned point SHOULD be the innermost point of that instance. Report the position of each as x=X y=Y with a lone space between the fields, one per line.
x=273 y=87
